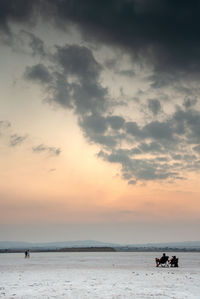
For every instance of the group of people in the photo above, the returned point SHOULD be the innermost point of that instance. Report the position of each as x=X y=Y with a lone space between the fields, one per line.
x=27 y=254
x=166 y=261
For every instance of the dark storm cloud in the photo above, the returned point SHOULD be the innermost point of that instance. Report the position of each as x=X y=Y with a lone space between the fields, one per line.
x=17 y=139
x=20 y=11
x=67 y=84
x=53 y=151
x=165 y=33
x=168 y=31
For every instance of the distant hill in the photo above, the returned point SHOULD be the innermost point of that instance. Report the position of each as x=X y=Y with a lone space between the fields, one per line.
x=92 y=243
x=55 y=245
x=186 y=244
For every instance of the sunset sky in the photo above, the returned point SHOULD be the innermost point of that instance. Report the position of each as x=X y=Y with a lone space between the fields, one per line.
x=99 y=120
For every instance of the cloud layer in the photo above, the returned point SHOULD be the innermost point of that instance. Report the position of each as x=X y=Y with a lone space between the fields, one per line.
x=163 y=38
x=165 y=33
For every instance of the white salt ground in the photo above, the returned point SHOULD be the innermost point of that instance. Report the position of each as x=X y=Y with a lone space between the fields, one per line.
x=97 y=275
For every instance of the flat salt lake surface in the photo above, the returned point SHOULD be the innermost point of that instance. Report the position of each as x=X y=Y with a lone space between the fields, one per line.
x=98 y=275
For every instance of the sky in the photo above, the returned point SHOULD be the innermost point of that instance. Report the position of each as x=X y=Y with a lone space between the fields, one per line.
x=99 y=120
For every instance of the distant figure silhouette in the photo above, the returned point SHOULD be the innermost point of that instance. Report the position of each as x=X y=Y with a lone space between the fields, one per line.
x=27 y=254
x=162 y=261
x=174 y=261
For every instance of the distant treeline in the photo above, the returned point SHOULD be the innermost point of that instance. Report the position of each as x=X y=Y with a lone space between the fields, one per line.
x=72 y=249
x=103 y=249
x=157 y=249
x=88 y=249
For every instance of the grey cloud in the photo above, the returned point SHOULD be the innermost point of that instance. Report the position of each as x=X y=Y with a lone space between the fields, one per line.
x=152 y=147
x=36 y=44
x=59 y=91
x=155 y=129
x=89 y=101
x=154 y=106
x=142 y=25
x=177 y=157
x=5 y=124
x=38 y=72
x=95 y=123
x=79 y=61
x=71 y=89
x=110 y=63
x=116 y=122
x=189 y=103
x=105 y=140
x=169 y=138
x=159 y=130
x=145 y=29
x=85 y=94
x=17 y=139
x=187 y=123
x=127 y=73
x=139 y=169
x=135 y=151
x=89 y=97
x=133 y=129
x=197 y=148
x=20 y=12
x=132 y=182
x=95 y=129
x=126 y=176
x=162 y=159
x=53 y=151
x=74 y=83
x=88 y=94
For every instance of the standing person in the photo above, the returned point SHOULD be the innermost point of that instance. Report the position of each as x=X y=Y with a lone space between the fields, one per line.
x=26 y=254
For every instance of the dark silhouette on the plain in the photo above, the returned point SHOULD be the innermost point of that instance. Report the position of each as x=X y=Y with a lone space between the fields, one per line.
x=163 y=261
x=27 y=254
x=173 y=261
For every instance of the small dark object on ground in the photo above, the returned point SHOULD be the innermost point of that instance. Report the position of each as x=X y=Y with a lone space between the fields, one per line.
x=174 y=261
x=163 y=261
